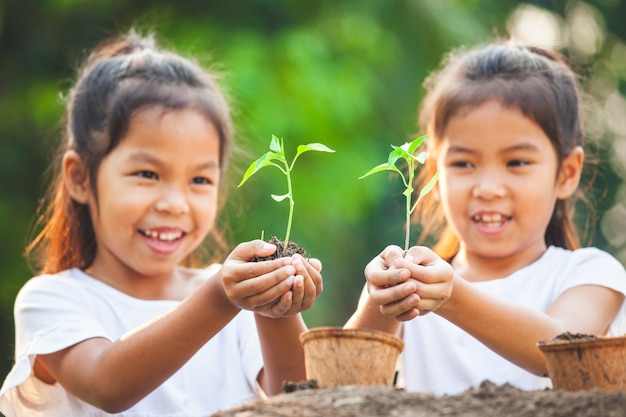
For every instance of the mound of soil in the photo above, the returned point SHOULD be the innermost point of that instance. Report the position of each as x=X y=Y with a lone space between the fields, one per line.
x=488 y=400
x=281 y=251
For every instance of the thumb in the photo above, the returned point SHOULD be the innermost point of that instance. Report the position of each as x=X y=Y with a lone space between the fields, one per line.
x=246 y=251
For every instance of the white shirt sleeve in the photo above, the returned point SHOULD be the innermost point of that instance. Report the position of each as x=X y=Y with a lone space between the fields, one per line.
x=50 y=316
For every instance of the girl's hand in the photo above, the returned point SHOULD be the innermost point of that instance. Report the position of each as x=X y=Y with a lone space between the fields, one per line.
x=274 y=288
x=407 y=284
x=307 y=284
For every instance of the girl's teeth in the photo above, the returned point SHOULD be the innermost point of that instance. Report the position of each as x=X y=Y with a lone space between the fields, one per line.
x=163 y=236
x=489 y=218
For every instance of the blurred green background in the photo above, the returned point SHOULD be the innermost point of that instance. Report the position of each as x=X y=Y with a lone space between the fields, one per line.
x=345 y=73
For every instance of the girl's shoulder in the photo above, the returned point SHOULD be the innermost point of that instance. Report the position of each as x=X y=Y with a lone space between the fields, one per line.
x=68 y=280
x=583 y=257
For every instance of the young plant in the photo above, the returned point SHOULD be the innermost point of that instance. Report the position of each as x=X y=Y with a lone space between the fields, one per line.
x=406 y=153
x=276 y=157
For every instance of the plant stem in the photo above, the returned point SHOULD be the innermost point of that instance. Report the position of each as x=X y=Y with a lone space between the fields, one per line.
x=409 y=196
x=408 y=221
x=291 y=205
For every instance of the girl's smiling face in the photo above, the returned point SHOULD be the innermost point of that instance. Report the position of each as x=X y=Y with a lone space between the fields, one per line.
x=498 y=183
x=156 y=194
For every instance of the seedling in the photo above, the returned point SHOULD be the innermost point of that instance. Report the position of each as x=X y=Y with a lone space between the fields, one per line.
x=406 y=153
x=276 y=157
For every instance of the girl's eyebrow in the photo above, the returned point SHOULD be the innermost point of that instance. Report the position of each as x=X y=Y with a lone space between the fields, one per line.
x=141 y=156
x=524 y=146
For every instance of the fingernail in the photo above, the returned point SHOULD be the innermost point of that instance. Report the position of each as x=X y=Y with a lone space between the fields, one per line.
x=298 y=281
x=268 y=246
x=290 y=270
x=409 y=257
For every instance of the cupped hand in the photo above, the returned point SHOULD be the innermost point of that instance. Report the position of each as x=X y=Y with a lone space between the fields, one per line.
x=275 y=288
x=407 y=284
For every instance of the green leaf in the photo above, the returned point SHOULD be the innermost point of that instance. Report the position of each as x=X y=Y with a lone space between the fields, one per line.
x=397 y=153
x=276 y=145
x=280 y=198
x=426 y=189
x=415 y=144
x=379 y=168
x=313 y=147
x=421 y=157
x=265 y=160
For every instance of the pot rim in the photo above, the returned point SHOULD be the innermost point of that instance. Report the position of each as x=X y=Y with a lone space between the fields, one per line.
x=597 y=341
x=366 y=334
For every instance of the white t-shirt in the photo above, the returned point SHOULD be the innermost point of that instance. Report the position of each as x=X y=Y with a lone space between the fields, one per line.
x=441 y=358
x=53 y=312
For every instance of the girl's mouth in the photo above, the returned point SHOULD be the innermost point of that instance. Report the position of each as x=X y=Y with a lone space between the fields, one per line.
x=491 y=220
x=168 y=236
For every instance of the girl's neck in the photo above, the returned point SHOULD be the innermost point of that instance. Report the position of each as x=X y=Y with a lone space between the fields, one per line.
x=477 y=267
x=132 y=283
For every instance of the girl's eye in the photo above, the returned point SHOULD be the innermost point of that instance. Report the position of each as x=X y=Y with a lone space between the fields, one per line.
x=147 y=174
x=518 y=163
x=460 y=164
x=202 y=181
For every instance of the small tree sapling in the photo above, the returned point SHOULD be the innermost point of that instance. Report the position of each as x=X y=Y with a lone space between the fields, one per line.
x=276 y=157
x=406 y=153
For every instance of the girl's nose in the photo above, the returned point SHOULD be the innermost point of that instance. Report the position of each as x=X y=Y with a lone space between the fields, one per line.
x=488 y=190
x=173 y=202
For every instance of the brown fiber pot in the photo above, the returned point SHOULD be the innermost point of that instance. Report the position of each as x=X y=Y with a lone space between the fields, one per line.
x=581 y=365
x=335 y=356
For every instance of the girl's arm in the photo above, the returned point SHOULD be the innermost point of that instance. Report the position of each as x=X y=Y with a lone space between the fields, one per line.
x=114 y=376
x=283 y=355
x=513 y=330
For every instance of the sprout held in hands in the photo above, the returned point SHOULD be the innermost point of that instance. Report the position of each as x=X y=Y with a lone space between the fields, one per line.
x=276 y=157
x=406 y=153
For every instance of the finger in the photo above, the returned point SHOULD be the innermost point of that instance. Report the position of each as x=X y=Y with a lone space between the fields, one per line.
x=390 y=295
x=437 y=292
x=382 y=276
x=316 y=263
x=254 y=277
x=400 y=307
x=409 y=315
x=311 y=275
x=297 y=297
x=246 y=251
x=391 y=253
x=282 y=306
x=266 y=297
x=435 y=271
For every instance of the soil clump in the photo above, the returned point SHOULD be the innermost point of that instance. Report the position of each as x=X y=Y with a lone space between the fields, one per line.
x=487 y=400
x=281 y=251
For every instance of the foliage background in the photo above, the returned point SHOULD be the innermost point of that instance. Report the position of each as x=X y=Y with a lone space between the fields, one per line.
x=345 y=73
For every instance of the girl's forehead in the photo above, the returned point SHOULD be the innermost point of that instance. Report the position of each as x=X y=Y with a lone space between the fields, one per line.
x=178 y=131
x=492 y=126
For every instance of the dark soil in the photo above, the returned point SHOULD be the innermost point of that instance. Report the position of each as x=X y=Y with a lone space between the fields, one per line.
x=488 y=400
x=281 y=251
x=575 y=336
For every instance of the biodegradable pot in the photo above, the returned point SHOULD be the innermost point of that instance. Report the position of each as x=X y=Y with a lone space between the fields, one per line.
x=335 y=356
x=586 y=363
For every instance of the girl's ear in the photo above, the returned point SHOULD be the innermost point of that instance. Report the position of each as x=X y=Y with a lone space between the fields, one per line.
x=571 y=170
x=76 y=177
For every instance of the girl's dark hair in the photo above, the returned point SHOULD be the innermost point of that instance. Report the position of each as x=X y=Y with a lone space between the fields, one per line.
x=537 y=82
x=120 y=77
